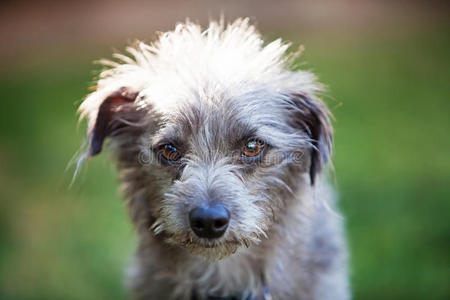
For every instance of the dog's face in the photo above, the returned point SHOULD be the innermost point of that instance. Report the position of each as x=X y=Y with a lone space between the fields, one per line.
x=220 y=150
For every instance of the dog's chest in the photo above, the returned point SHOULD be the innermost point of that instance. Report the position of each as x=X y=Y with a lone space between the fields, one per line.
x=237 y=277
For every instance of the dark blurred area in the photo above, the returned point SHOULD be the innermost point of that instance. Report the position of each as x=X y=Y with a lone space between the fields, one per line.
x=387 y=68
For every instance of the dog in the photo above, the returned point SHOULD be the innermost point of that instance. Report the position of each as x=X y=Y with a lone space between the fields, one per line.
x=221 y=150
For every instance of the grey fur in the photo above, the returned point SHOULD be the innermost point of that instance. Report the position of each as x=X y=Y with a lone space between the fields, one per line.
x=208 y=93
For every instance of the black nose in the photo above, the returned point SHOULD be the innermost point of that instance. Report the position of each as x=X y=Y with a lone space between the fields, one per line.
x=211 y=222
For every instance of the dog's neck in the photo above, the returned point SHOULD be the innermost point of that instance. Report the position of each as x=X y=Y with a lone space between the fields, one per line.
x=240 y=275
x=241 y=266
x=263 y=294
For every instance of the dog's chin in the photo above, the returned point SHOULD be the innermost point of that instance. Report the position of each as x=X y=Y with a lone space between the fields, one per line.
x=213 y=253
x=210 y=250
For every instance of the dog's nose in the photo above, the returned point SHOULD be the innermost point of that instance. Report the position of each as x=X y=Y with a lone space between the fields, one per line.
x=211 y=222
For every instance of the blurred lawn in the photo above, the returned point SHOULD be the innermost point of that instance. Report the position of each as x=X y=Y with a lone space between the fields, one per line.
x=391 y=99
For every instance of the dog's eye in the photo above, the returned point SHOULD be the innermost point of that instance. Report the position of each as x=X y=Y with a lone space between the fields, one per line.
x=253 y=148
x=170 y=153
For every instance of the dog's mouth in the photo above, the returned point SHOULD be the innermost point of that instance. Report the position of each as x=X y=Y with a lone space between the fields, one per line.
x=214 y=249
x=209 y=244
x=210 y=249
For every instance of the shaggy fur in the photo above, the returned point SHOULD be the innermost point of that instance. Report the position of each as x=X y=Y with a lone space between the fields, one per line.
x=209 y=92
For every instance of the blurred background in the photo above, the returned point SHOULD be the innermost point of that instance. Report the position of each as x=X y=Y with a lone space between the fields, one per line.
x=387 y=67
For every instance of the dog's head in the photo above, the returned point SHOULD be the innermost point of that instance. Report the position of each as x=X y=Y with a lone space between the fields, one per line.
x=214 y=136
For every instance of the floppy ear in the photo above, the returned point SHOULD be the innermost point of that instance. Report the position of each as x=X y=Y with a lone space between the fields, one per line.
x=313 y=117
x=109 y=114
x=112 y=116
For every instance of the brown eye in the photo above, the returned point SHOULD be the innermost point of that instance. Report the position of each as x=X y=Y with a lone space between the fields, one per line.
x=253 y=148
x=170 y=153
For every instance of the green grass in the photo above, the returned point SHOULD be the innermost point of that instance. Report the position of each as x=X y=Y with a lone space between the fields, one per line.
x=390 y=97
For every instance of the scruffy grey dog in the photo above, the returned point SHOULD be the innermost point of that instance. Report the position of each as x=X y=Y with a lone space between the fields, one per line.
x=220 y=149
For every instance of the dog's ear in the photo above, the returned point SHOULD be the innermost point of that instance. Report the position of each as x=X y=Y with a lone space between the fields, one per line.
x=312 y=116
x=109 y=113
x=112 y=116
